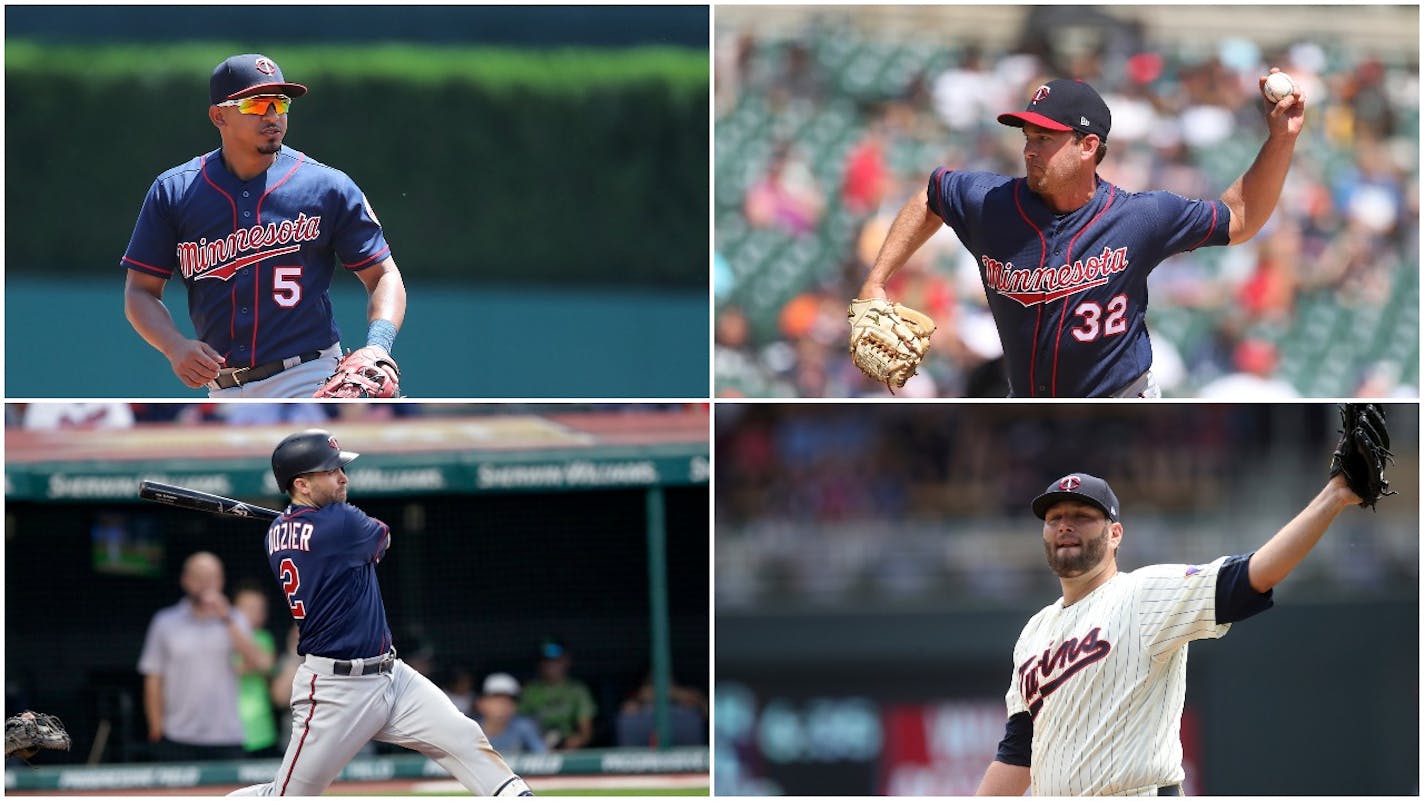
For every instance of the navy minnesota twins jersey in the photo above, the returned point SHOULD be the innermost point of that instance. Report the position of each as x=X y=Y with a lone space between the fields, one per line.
x=325 y=560
x=257 y=256
x=1069 y=292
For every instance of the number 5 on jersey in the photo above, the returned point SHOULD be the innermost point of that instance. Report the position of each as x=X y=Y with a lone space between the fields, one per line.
x=287 y=286
x=291 y=580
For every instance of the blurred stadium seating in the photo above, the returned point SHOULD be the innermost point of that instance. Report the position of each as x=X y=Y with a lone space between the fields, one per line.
x=828 y=119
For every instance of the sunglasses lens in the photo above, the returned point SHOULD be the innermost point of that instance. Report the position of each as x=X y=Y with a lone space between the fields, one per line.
x=258 y=105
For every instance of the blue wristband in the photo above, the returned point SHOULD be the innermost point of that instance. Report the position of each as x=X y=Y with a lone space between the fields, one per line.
x=382 y=333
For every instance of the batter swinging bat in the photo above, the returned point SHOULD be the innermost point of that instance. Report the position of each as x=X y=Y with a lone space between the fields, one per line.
x=202 y=501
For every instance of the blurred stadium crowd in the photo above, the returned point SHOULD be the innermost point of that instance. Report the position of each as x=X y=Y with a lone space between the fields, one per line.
x=823 y=130
x=831 y=506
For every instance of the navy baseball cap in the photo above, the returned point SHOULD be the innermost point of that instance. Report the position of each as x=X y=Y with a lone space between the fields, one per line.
x=1078 y=487
x=1064 y=105
x=250 y=74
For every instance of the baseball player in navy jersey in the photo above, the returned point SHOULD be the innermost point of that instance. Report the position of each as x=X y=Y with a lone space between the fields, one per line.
x=1099 y=676
x=1064 y=255
x=254 y=230
x=350 y=687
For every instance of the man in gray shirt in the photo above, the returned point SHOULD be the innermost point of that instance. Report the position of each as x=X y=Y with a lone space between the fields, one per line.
x=189 y=670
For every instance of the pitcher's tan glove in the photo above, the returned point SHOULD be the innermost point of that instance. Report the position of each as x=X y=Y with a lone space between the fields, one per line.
x=888 y=340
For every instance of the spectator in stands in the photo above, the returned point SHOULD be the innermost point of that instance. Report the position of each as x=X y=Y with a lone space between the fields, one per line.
x=190 y=681
x=254 y=699
x=1255 y=377
x=461 y=691
x=562 y=705
x=497 y=713
x=787 y=197
x=687 y=716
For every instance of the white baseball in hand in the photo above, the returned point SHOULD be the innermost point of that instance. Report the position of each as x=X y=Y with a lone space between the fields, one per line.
x=1278 y=86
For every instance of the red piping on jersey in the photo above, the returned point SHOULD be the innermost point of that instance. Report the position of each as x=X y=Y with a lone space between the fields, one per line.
x=933 y=194
x=1042 y=257
x=232 y=324
x=256 y=303
x=1068 y=259
x=136 y=262
x=381 y=545
x=300 y=159
x=204 y=170
x=1211 y=230
x=358 y=265
x=306 y=729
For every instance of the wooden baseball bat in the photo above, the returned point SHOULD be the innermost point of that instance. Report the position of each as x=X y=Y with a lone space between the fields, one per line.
x=186 y=498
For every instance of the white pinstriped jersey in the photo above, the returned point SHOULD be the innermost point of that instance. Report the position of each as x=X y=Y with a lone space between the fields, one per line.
x=1105 y=678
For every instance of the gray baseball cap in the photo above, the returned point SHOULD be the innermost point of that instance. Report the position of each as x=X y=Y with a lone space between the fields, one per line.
x=1078 y=487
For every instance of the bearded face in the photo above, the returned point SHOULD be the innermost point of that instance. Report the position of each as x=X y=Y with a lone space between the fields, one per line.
x=1075 y=538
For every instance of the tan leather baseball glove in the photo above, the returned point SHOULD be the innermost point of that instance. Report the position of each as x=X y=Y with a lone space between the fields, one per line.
x=888 y=340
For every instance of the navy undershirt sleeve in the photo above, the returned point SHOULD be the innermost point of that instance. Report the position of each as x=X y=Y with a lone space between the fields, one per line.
x=1236 y=599
x=1017 y=746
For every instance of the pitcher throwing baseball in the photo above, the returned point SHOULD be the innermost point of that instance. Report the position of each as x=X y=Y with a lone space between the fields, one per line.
x=350 y=687
x=254 y=231
x=1099 y=676
x=1064 y=255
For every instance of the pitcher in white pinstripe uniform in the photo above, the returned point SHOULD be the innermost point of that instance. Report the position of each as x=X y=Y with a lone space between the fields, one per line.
x=1099 y=676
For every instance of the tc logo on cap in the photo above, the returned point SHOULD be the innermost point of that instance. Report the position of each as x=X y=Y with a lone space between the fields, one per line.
x=265 y=65
x=1070 y=483
x=332 y=442
x=1040 y=94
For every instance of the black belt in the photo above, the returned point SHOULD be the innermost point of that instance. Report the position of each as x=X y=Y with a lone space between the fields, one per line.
x=233 y=377
x=342 y=667
x=1171 y=789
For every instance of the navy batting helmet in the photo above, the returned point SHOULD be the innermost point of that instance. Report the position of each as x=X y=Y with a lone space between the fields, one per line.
x=312 y=451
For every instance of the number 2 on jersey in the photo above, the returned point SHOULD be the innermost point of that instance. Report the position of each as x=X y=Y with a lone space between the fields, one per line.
x=290 y=582
x=1092 y=311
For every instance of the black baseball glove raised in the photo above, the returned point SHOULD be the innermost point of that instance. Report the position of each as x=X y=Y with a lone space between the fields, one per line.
x=1363 y=452
x=28 y=733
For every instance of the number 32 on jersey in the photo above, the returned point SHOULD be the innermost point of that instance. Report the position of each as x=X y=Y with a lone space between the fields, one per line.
x=1095 y=324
